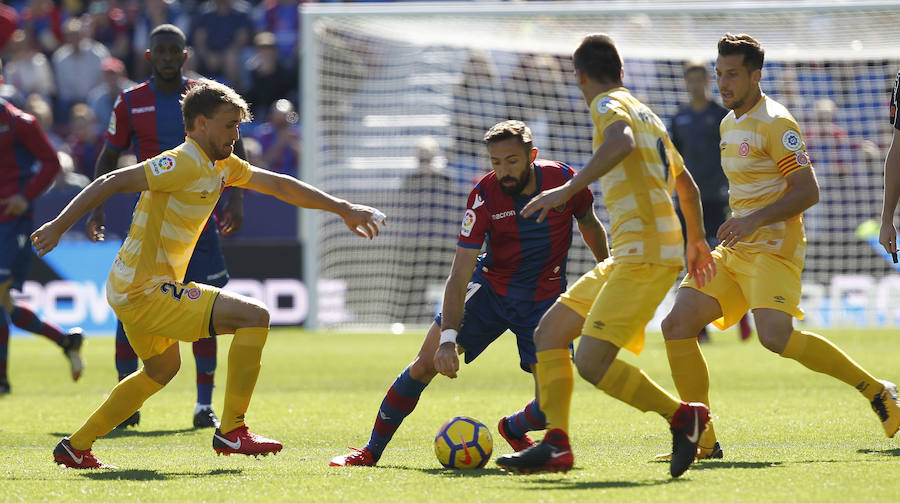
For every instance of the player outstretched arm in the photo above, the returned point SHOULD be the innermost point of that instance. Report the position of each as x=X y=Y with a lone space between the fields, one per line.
x=803 y=192
x=700 y=263
x=128 y=179
x=445 y=359
x=594 y=235
x=362 y=220
x=619 y=142
x=888 y=235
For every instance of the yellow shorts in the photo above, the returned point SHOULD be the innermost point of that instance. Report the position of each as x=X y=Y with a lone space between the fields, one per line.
x=755 y=280
x=172 y=312
x=617 y=300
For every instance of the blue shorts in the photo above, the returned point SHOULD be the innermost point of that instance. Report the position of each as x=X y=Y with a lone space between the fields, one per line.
x=15 y=251
x=207 y=265
x=487 y=315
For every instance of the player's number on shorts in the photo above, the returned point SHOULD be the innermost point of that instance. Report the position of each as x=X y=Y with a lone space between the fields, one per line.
x=172 y=289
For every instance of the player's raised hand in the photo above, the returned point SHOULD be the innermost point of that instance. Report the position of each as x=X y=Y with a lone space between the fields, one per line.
x=364 y=220
x=700 y=263
x=14 y=205
x=446 y=361
x=734 y=229
x=545 y=201
x=45 y=238
x=888 y=237
x=94 y=227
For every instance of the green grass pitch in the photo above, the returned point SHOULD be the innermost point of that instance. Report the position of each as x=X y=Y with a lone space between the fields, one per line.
x=788 y=434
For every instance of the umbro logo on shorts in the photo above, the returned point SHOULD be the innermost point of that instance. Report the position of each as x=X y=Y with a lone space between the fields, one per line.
x=779 y=299
x=599 y=325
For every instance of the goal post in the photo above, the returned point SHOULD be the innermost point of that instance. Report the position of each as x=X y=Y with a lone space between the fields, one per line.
x=396 y=96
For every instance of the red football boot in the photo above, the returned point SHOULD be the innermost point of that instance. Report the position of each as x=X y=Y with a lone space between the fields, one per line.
x=241 y=441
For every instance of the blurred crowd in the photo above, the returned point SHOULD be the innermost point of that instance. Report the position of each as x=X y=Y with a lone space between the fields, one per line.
x=66 y=61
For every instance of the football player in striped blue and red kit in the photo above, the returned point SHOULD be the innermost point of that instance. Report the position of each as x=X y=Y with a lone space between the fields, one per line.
x=507 y=288
x=22 y=146
x=148 y=117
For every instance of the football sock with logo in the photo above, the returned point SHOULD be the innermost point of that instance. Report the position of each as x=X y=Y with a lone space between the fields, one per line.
x=530 y=418
x=205 y=358
x=691 y=376
x=4 y=343
x=243 y=368
x=127 y=397
x=555 y=381
x=399 y=401
x=819 y=354
x=126 y=359
x=632 y=386
x=23 y=317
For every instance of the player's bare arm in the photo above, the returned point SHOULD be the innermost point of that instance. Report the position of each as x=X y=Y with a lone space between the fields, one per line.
x=619 y=142
x=888 y=235
x=700 y=263
x=446 y=361
x=106 y=163
x=594 y=235
x=803 y=192
x=233 y=210
x=129 y=179
x=362 y=220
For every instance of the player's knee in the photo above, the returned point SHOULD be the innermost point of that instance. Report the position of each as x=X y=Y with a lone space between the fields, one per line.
x=674 y=326
x=589 y=369
x=773 y=340
x=255 y=314
x=164 y=373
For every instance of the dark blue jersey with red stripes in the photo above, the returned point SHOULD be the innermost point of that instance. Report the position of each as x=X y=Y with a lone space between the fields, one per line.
x=22 y=147
x=525 y=259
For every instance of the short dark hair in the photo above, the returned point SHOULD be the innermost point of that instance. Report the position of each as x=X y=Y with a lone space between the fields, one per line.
x=598 y=58
x=744 y=44
x=510 y=129
x=205 y=97
x=170 y=29
x=695 y=66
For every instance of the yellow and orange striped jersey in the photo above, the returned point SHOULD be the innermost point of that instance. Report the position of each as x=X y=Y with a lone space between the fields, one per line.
x=759 y=150
x=637 y=192
x=184 y=186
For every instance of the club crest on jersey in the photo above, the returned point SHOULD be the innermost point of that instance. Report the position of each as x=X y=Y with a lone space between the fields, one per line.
x=162 y=164
x=604 y=104
x=791 y=140
x=744 y=149
x=468 y=223
x=802 y=159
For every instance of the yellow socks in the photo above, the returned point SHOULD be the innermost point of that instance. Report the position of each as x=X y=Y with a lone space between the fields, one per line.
x=125 y=399
x=817 y=353
x=243 y=369
x=632 y=386
x=555 y=381
x=691 y=377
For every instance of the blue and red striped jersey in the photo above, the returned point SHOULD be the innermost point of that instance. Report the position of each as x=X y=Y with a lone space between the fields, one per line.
x=525 y=259
x=149 y=120
x=22 y=146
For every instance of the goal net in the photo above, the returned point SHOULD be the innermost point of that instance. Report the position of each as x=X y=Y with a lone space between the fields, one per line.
x=396 y=98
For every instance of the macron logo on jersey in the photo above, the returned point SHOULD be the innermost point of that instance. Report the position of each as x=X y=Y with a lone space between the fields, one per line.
x=143 y=110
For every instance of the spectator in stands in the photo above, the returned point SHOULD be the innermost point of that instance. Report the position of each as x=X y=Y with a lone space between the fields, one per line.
x=9 y=20
x=154 y=13
x=78 y=65
x=28 y=70
x=67 y=180
x=538 y=96
x=279 y=138
x=37 y=106
x=111 y=27
x=221 y=31
x=270 y=80
x=478 y=103
x=85 y=142
x=42 y=20
x=282 y=19
x=102 y=99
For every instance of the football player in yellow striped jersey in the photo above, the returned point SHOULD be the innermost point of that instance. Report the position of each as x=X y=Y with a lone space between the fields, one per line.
x=179 y=189
x=638 y=167
x=762 y=246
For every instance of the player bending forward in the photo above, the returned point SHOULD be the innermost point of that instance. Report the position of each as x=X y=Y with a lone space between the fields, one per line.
x=179 y=189
x=512 y=285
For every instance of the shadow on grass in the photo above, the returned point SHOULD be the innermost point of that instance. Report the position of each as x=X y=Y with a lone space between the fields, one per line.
x=153 y=474
x=449 y=473
x=131 y=432
x=881 y=452
x=716 y=465
x=538 y=481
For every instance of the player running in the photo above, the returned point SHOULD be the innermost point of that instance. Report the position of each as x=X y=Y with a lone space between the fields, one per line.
x=179 y=189
x=762 y=246
x=507 y=288
x=148 y=116
x=22 y=146
x=638 y=167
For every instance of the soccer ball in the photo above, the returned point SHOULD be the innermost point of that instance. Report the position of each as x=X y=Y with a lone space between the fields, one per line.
x=463 y=442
